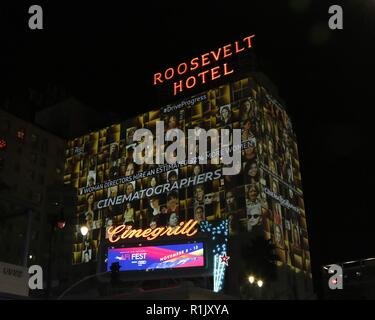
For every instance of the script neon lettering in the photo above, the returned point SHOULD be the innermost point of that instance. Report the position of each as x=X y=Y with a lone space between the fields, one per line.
x=188 y=228
x=114 y=231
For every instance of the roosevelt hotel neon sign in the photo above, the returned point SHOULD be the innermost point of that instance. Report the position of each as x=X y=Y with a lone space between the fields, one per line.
x=202 y=62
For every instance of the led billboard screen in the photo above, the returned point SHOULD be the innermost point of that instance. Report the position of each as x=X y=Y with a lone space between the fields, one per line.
x=157 y=257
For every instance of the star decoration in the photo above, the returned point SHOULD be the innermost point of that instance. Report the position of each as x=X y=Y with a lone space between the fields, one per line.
x=224 y=259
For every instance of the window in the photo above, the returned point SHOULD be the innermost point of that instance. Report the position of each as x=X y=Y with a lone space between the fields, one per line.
x=21 y=134
x=34 y=140
x=36 y=197
x=41 y=179
x=31 y=174
x=43 y=162
x=33 y=157
x=3 y=144
x=4 y=125
x=35 y=235
x=29 y=193
x=60 y=150
x=44 y=146
x=17 y=167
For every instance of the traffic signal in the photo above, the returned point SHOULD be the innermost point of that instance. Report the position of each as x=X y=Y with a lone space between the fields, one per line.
x=61 y=223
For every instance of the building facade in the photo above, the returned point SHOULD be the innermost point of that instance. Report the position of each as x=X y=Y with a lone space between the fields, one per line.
x=229 y=211
x=30 y=167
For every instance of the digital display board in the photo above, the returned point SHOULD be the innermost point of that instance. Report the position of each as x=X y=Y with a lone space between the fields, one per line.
x=157 y=257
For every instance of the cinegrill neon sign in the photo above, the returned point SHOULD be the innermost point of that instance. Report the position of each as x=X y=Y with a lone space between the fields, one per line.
x=201 y=62
x=122 y=231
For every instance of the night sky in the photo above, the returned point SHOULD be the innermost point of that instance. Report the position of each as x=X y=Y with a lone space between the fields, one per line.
x=106 y=54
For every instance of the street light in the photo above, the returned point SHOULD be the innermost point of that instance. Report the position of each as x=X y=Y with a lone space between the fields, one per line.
x=260 y=283
x=84 y=230
x=251 y=279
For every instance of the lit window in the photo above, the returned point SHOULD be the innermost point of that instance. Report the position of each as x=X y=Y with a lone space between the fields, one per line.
x=3 y=144
x=21 y=134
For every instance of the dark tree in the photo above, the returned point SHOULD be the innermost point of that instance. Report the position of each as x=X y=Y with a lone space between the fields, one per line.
x=260 y=259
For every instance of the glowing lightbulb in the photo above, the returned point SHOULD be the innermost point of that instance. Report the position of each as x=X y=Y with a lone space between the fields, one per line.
x=251 y=279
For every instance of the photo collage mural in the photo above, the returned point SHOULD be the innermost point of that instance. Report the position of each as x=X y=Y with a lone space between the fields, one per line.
x=265 y=198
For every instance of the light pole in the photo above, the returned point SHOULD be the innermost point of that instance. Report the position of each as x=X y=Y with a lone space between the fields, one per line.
x=55 y=223
x=260 y=285
x=258 y=282
x=28 y=237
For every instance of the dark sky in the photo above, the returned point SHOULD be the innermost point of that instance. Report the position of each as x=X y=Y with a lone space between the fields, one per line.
x=106 y=53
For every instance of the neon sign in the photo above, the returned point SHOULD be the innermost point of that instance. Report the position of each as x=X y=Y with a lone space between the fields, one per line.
x=201 y=62
x=127 y=232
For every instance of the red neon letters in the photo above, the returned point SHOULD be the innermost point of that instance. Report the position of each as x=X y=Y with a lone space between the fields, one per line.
x=201 y=62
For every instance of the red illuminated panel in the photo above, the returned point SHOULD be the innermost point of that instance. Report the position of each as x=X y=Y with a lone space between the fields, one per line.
x=3 y=144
